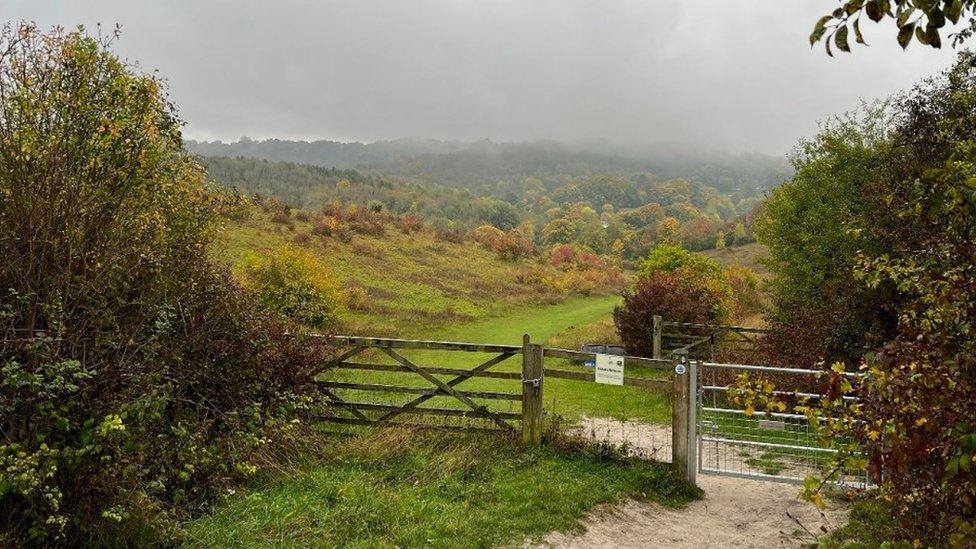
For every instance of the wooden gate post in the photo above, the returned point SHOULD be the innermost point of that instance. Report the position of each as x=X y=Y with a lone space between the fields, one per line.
x=680 y=407
x=532 y=376
x=656 y=336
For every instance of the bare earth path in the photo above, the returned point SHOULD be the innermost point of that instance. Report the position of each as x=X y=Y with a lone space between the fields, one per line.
x=735 y=512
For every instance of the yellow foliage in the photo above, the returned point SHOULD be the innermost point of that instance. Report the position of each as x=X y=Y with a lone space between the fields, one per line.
x=293 y=282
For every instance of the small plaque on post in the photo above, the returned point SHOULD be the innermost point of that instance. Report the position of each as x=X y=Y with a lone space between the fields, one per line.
x=610 y=369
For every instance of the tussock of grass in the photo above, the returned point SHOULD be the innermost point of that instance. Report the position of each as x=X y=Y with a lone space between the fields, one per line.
x=870 y=524
x=404 y=488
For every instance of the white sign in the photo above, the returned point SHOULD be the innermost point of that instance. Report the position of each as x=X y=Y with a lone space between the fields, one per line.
x=610 y=369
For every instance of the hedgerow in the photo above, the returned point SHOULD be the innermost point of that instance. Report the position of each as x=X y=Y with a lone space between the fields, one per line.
x=905 y=246
x=136 y=378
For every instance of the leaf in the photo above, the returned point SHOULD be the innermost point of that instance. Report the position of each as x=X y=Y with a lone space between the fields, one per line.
x=932 y=37
x=840 y=38
x=858 y=37
x=852 y=6
x=873 y=9
x=885 y=7
x=905 y=35
x=819 y=29
x=921 y=36
x=953 y=11
x=903 y=16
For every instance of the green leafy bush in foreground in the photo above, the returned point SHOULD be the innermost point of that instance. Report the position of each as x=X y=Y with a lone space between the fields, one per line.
x=135 y=376
x=901 y=240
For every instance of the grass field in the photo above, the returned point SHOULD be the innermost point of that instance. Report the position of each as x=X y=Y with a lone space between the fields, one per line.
x=748 y=255
x=397 y=488
x=418 y=289
x=400 y=488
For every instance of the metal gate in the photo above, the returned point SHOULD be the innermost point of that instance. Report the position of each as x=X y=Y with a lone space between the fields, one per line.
x=779 y=446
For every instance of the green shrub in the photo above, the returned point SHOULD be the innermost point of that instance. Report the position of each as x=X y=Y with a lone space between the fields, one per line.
x=294 y=283
x=135 y=377
x=745 y=288
x=697 y=270
x=879 y=226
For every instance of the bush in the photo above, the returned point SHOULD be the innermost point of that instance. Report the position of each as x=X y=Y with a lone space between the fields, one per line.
x=670 y=295
x=367 y=220
x=115 y=323
x=326 y=226
x=885 y=210
x=301 y=239
x=409 y=223
x=449 y=234
x=510 y=246
x=698 y=270
x=745 y=288
x=294 y=283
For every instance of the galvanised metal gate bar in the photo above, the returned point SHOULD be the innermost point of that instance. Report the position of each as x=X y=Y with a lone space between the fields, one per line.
x=777 y=446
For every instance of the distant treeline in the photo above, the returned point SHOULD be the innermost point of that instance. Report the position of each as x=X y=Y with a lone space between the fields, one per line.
x=497 y=168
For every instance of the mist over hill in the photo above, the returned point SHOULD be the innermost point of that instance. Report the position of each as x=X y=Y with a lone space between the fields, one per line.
x=481 y=165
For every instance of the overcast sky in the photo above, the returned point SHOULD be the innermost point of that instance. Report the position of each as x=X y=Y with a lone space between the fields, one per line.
x=729 y=74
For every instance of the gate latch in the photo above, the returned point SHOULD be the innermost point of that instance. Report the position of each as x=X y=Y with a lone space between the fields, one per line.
x=534 y=382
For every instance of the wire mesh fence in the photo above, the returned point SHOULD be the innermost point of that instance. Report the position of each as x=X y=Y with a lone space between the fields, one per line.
x=631 y=438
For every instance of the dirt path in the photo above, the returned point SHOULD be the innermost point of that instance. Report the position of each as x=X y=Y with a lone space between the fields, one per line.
x=735 y=512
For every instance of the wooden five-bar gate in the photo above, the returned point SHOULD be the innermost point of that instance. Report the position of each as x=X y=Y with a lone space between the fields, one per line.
x=455 y=385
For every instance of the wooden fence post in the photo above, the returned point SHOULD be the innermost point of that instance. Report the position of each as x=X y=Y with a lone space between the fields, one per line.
x=681 y=400
x=656 y=336
x=532 y=376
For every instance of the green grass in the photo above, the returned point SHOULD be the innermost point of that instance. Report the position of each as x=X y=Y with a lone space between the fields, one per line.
x=870 y=524
x=395 y=488
x=767 y=462
x=748 y=255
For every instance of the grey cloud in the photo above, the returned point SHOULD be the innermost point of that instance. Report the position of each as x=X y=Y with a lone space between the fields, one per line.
x=732 y=74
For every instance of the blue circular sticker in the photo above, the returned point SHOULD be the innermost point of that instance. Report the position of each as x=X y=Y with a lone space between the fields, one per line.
x=679 y=369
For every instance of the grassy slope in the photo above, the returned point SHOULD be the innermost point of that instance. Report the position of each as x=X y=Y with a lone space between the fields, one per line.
x=417 y=284
x=543 y=322
x=748 y=255
x=424 y=288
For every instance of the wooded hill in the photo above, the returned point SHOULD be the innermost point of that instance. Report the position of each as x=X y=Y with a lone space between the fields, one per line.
x=497 y=168
x=599 y=210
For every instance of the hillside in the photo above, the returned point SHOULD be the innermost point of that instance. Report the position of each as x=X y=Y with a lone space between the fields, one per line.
x=485 y=164
x=595 y=211
x=402 y=284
